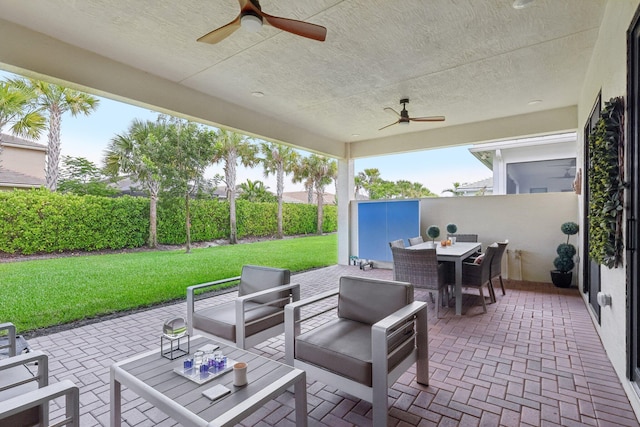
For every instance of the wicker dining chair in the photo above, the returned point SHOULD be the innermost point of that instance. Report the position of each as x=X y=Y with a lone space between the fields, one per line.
x=420 y=267
x=476 y=275
x=415 y=240
x=397 y=243
x=496 y=266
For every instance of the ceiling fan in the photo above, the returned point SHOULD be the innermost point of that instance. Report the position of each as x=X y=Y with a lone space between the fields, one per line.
x=252 y=17
x=403 y=116
x=566 y=175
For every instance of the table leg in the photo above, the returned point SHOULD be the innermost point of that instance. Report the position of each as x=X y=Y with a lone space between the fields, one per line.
x=458 y=286
x=115 y=401
x=300 y=390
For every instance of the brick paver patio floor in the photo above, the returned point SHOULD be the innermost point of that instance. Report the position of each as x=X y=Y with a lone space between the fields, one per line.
x=533 y=359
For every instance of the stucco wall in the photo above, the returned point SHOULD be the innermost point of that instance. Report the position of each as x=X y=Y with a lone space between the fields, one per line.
x=608 y=72
x=531 y=222
x=24 y=160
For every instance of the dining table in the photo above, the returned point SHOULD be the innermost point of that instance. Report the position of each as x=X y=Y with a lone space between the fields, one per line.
x=455 y=253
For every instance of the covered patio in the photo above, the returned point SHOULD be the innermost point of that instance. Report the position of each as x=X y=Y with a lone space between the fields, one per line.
x=533 y=359
x=539 y=355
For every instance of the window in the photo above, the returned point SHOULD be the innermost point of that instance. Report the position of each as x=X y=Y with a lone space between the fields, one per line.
x=541 y=176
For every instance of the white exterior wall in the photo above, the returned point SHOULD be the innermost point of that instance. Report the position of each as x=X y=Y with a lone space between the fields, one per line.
x=345 y=192
x=527 y=154
x=532 y=248
x=608 y=72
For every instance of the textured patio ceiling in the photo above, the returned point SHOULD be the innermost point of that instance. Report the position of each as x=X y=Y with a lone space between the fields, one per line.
x=478 y=62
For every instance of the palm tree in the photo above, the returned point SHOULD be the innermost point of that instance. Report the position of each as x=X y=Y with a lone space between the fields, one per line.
x=56 y=100
x=229 y=148
x=317 y=172
x=139 y=152
x=368 y=179
x=455 y=190
x=255 y=191
x=19 y=112
x=278 y=159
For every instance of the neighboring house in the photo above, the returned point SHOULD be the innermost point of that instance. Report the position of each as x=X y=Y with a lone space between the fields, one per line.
x=22 y=163
x=542 y=164
x=478 y=188
x=303 y=197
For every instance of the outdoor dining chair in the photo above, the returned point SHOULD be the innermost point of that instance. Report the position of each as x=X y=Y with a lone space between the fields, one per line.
x=415 y=240
x=420 y=267
x=477 y=273
x=255 y=316
x=377 y=333
x=396 y=243
x=25 y=391
x=496 y=266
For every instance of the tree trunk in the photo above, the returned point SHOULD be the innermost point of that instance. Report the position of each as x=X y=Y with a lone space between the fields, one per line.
x=320 y=197
x=230 y=171
x=279 y=191
x=53 y=149
x=153 y=216
x=188 y=221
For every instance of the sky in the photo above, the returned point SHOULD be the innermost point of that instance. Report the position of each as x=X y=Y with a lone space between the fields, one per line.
x=437 y=170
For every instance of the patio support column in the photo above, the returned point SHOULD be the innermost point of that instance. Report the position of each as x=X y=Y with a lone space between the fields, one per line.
x=344 y=189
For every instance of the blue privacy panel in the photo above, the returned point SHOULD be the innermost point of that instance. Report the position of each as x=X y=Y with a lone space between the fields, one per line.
x=381 y=222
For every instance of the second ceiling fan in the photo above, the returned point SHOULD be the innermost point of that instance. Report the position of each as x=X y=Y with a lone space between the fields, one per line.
x=403 y=116
x=252 y=17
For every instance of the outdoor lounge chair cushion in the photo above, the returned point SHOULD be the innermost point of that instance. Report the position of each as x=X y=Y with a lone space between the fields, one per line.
x=361 y=300
x=220 y=320
x=255 y=278
x=344 y=345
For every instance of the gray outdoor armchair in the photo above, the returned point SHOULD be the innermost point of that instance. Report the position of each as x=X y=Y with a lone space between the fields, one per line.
x=420 y=267
x=25 y=395
x=378 y=333
x=255 y=316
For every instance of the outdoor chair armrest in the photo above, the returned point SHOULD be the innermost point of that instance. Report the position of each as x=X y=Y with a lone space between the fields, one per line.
x=292 y=321
x=399 y=316
x=42 y=397
x=191 y=289
x=11 y=334
x=37 y=356
x=379 y=339
x=22 y=359
x=295 y=288
x=191 y=298
x=241 y=305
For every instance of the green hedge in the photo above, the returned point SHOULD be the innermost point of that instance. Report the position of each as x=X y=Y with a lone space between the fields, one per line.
x=38 y=221
x=210 y=220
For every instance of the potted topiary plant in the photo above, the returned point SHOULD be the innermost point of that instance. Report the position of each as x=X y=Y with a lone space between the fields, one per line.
x=452 y=229
x=562 y=275
x=434 y=232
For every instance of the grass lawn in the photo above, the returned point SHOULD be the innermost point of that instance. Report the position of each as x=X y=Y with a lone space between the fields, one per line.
x=42 y=293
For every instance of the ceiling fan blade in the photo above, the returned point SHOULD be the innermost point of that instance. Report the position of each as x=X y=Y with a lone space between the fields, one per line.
x=427 y=119
x=221 y=33
x=300 y=28
x=392 y=110
x=394 y=123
